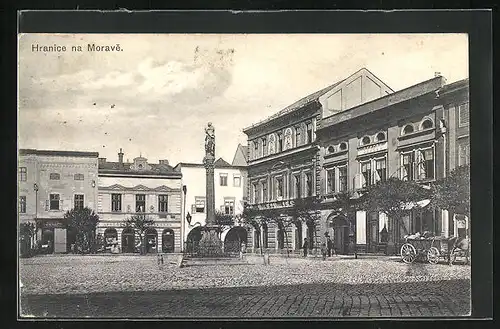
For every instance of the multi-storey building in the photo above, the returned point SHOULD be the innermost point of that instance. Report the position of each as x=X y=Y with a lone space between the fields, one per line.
x=139 y=187
x=284 y=157
x=416 y=134
x=230 y=193
x=51 y=183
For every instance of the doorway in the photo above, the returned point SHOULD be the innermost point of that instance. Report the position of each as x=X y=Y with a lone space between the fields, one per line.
x=151 y=240
x=128 y=240
x=168 y=240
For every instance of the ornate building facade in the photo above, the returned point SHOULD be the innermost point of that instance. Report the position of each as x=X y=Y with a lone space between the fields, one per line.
x=51 y=183
x=351 y=135
x=149 y=189
x=284 y=155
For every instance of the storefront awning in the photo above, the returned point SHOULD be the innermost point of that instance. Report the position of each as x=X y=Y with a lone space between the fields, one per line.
x=419 y=204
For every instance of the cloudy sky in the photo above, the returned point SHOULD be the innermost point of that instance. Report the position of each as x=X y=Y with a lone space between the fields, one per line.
x=156 y=96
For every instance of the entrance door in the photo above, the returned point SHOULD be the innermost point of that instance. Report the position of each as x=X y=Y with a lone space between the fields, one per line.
x=372 y=234
x=151 y=240
x=128 y=241
x=168 y=241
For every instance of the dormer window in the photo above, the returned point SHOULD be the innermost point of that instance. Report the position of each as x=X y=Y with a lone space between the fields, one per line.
x=408 y=129
x=380 y=137
x=331 y=149
x=427 y=124
x=365 y=140
x=343 y=146
x=140 y=166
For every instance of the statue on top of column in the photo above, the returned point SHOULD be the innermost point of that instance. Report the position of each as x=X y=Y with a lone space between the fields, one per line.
x=210 y=140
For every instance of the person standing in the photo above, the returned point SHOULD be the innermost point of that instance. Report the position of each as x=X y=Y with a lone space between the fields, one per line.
x=329 y=246
x=305 y=246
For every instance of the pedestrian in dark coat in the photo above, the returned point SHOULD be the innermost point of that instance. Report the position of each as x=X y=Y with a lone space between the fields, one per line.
x=323 y=251
x=329 y=246
x=305 y=246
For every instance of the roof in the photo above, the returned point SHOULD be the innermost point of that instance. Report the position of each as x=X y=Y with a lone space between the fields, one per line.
x=219 y=163
x=297 y=105
x=314 y=97
x=464 y=83
x=240 y=156
x=420 y=89
x=124 y=168
x=58 y=153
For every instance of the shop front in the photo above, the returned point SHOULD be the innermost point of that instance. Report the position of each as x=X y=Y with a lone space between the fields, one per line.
x=51 y=235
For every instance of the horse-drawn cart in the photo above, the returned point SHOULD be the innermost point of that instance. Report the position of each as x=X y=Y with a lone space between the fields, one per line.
x=431 y=249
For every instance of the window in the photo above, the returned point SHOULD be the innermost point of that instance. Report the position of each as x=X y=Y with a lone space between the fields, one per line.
x=331 y=149
x=366 y=171
x=78 y=177
x=162 y=203
x=463 y=115
x=330 y=180
x=22 y=204
x=264 y=191
x=309 y=184
x=343 y=146
x=116 y=202
x=380 y=137
x=380 y=170
x=309 y=130
x=365 y=140
x=280 y=142
x=427 y=124
x=463 y=151
x=236 y=181
x=199 y=206
x=297 y=136
x=54 y=176
x=408 y=129
x=223 y=179
x=140 y=202
x=23 y=173
x=407 y=166
x=54 y=202
x=425 y=164
x=264 y=146
x=255 y=193
x=296 y=185
x=79 y=201
x=279 y=187
x=342 y=179
x=256 y=149
x=229 y=207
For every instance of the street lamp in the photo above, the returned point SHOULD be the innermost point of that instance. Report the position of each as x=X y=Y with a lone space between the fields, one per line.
x=35 y=188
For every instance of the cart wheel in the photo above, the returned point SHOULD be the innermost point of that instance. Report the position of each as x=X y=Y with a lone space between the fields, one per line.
x=433 y=255
x=408 y=253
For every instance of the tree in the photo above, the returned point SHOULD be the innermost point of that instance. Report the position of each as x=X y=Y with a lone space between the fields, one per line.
x=139 y=223
x=250 y=217
x=26 y=233
x=223 y=220
x=453 y=192
x=82 y=221
x=307 y=210
x=395 y=198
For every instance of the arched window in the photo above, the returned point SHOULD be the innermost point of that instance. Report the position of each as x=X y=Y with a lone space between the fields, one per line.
x=331 y=149
x=380 y=137
x=427 y=124
x=408 y=129
x=343 y=146
x=365 y=140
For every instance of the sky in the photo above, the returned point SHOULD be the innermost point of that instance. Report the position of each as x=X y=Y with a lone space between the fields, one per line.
x=155 y=97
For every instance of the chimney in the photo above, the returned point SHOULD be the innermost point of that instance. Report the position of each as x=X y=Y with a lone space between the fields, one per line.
x=102 y=160
x=120 y=157
x=437 y=74
x=163 y=162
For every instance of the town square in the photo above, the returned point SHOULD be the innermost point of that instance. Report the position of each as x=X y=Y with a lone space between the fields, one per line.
x=212 y=181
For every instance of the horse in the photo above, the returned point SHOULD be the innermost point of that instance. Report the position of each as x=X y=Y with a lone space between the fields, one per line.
x=458 y=245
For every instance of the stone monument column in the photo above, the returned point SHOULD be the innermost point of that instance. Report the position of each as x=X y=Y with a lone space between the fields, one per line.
x=210 y=243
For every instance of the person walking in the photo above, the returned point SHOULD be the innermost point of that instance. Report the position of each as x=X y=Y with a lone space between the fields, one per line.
x=323 y=250
x=329 y=246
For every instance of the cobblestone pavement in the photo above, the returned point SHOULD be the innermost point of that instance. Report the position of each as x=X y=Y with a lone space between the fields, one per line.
x=129 y=286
